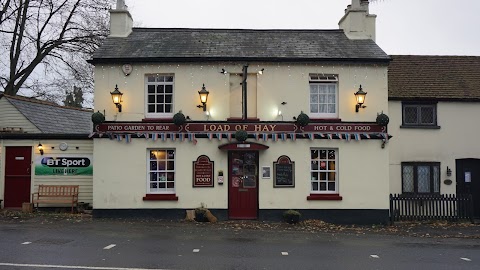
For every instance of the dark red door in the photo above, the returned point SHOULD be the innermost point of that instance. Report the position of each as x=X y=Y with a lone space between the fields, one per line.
x=243 y=185
x=17 y=176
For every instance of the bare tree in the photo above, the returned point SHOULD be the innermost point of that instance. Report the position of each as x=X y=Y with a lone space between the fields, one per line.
x=44 y=44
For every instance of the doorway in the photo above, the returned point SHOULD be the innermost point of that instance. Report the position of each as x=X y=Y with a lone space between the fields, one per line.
x=18 y=162
x=468 y=181
x=243 y=185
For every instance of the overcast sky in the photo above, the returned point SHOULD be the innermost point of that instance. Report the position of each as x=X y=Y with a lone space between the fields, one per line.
x=430 y=27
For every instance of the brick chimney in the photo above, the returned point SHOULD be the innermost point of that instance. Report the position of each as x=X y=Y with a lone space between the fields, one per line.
x=357 y=23
x=121 y=21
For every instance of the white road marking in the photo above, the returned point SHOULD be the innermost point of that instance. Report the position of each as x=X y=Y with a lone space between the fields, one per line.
x=466 y=259
x=375 y=256
x=109 y=246
x=284 y=253
x=26 y=243
x=196 y=250
x=74 y=267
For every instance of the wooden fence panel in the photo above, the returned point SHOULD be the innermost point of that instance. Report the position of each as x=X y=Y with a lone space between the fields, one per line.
x=450 y=207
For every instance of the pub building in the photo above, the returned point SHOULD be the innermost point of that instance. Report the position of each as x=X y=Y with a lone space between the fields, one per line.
x=248 y=123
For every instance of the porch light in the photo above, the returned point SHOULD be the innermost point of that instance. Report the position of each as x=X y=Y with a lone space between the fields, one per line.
x=117 y=98
x=203 y=98
x=40 y=148
x=360 y=97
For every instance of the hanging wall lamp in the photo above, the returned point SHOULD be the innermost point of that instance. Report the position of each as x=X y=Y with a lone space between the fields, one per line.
x=117 y=98
x=360 y=96
x=40 y=148
x=203 y=98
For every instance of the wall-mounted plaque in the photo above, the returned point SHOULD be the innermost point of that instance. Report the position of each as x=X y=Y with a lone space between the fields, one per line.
x=284 y=172
x=203 y=172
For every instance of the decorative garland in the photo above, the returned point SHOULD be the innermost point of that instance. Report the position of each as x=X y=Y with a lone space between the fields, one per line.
x=303 y=119
x=179 y=118
x=241 y=135
x=98 y=118
x=382 y=119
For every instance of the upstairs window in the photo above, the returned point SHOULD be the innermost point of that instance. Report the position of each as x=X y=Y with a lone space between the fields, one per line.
x=419 y=115
x=323 y=96
x=159 y=96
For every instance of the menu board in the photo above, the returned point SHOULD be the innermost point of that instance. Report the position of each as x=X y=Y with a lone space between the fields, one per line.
x=284 y=172
x=203 y=172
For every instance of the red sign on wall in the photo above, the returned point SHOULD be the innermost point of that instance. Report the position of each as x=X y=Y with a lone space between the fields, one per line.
x=203 y=172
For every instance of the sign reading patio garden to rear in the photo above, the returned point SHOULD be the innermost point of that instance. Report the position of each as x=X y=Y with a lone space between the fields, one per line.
x=203 y=172
x=229 y=127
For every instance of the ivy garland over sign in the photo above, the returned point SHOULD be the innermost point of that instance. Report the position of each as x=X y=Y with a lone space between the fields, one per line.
x=382 y=119
x=98 y=118
x=303 y=119
x=179 y=118
x=241 y=135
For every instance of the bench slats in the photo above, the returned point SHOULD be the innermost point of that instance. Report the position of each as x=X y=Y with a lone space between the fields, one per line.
x=56 y=194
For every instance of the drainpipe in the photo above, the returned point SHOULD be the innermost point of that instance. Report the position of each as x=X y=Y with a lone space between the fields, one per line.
x=244 y=93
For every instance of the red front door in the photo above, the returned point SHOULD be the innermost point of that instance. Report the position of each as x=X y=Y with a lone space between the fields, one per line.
x=17 y=176
x=243 y=185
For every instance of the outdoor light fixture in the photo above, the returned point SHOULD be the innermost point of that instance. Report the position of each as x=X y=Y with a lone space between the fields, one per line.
x=117 y=98
x=360 y=96
x=224 y=71
x=40 y=148
x=203 y=98
x=449 y=171
x=260 y=72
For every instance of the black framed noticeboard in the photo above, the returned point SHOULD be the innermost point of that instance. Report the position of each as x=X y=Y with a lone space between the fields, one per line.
x=284 y=172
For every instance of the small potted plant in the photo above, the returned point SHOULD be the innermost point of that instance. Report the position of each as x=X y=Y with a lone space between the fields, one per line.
x=291 y=216
x=201 y=213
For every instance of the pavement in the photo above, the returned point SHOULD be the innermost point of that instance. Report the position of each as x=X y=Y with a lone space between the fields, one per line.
x=423 y=229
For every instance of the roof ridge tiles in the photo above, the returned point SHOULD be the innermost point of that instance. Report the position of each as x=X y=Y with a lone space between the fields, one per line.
x=145 y=29
x=44 y=102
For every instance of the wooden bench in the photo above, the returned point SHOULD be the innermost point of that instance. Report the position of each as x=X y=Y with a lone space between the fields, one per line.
x=56 y=194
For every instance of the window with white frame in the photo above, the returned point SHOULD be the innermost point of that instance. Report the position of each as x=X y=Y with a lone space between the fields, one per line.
x=324 y=170
x=159 y=96
x=323 y=96
x=161 y=171
x=420 y=177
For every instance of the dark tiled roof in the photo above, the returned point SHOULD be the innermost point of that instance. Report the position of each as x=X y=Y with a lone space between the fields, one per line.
x=153 y=44
x=52 y=118
x=434 y=77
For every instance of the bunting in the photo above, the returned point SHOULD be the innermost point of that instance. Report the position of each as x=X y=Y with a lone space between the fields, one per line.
x=163 y=136
x=229 y=137
x=173 y=136
x=154 y=137
x=311 y=136
x=283 y=136
x=91 y=135
x=210 y=136
x=219 y=136
x=119 y=137
x=256 y=136
x=265 y=137
x=367 y=135
x=293 y=136
x=128 y=138
x=275 y=137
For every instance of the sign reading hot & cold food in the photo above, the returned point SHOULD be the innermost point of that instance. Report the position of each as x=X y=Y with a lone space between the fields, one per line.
x=66 y=164
x=203 y=172
x=284 y=172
